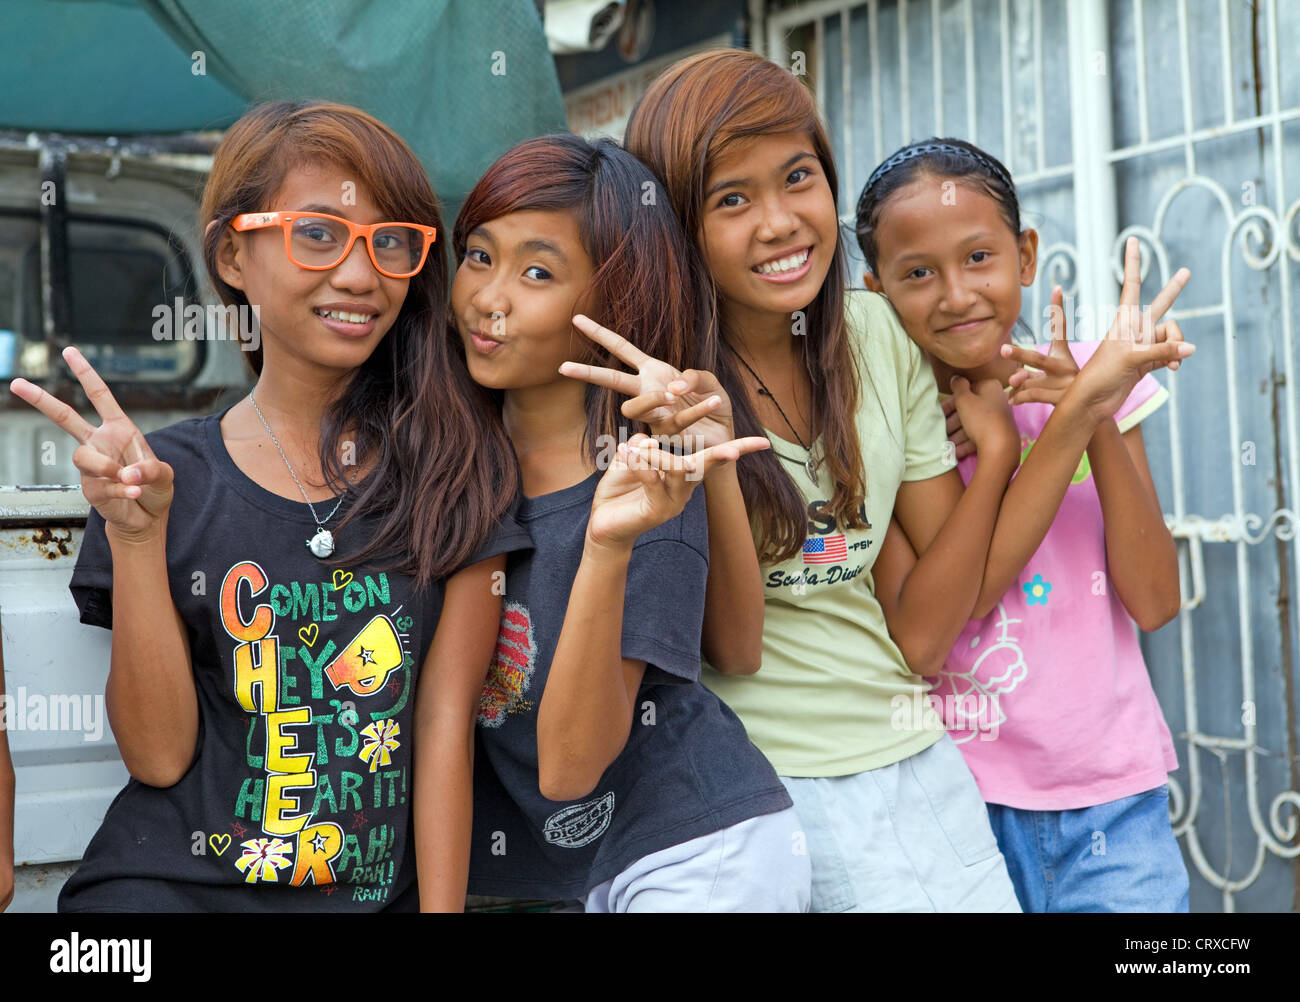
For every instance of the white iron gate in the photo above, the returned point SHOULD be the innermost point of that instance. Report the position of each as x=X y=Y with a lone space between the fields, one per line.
x=1177 y=121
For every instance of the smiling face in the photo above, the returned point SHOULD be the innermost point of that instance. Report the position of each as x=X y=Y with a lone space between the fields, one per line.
x=953 y=268
x=514 y=296
x=769 y=229
x=328 y=319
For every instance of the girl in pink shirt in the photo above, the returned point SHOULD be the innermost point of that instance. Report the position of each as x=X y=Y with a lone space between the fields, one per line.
x=1046 y=690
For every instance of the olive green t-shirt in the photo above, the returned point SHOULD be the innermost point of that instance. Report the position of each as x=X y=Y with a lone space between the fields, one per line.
x=826 y=701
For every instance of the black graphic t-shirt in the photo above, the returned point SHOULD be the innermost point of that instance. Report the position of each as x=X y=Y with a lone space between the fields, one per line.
x=298 y=798
x=688 y=768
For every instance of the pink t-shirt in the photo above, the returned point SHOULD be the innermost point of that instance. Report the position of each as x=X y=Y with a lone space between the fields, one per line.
x=1048 y=696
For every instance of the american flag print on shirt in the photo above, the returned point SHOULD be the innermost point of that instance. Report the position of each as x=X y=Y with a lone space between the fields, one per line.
x=829 y=549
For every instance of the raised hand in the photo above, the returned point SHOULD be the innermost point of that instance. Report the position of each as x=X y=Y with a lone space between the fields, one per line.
x=120 y=476
x=645 y=486
x=1055 y=370
x=692 y=404
x=1136 y=344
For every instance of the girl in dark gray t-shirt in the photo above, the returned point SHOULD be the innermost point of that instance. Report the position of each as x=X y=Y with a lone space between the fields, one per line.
x=604 y=770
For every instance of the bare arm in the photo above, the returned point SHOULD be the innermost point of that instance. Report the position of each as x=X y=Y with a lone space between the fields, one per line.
x=446 y=708
x=150 y=697
x=930 y=566
x=589 y=701
x=1084 y=404
x=1033 y=498
x=152 y=704
x=1141 y=554
x=732 y=638
x=927 y=599
x=587 y=707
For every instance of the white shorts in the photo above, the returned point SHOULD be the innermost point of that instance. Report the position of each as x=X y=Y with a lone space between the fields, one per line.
x=758 y=865
x=913 y=836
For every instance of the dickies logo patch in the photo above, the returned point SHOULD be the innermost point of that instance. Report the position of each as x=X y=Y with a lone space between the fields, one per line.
x=512 y=668
x=581 y=824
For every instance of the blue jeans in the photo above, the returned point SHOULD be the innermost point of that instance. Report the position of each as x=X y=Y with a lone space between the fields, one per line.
x=1119 y=856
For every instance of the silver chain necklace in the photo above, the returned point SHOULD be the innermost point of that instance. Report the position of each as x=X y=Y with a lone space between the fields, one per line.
x=321 y=544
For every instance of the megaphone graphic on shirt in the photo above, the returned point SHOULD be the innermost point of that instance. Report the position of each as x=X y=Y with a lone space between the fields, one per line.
x=366 y=661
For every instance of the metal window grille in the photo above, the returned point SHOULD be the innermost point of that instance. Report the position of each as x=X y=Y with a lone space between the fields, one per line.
x=1179 y=119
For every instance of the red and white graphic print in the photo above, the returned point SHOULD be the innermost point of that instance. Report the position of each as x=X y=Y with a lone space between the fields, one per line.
x=512 y=668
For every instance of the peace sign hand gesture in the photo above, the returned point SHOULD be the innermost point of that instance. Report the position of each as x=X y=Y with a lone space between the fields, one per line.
x=1136 y=344
x=646 y=486
x=120 y=476
x=692 y=404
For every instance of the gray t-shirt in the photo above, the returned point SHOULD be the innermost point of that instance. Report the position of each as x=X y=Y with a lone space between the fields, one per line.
x=688 y=768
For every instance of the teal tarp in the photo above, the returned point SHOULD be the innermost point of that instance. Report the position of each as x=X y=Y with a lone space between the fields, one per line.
x=102 y=66
x=460 y=80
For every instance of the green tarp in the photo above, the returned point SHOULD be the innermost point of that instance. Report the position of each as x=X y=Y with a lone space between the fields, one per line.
x=460 y=80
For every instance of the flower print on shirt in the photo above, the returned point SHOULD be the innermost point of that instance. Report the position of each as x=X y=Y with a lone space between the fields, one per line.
x=1036 y=591
x=969 y=703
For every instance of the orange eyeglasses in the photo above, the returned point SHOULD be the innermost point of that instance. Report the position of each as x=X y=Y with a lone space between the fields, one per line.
x=319 y=242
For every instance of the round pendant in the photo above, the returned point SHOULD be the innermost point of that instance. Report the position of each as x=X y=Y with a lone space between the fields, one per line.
x=321 y=544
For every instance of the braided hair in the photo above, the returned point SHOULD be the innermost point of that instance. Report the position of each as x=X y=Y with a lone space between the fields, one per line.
x=947 y=158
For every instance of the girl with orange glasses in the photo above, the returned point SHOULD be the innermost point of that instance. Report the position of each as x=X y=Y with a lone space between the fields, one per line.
x=278 y=576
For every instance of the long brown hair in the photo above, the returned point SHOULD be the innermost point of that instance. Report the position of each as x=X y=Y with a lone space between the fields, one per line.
x=646 y=285
x=444 y=472
x=692 y=112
